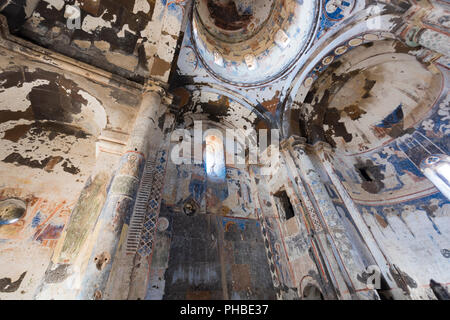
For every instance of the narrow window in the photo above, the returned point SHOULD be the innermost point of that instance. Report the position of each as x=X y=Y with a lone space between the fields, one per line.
x=284 y=204
x=365 y=174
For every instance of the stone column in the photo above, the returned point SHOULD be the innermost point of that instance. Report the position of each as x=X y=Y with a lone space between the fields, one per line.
x=122 y=192
x=341 y=261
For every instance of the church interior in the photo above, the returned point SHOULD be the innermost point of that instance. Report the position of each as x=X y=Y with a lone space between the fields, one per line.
x=224 y=150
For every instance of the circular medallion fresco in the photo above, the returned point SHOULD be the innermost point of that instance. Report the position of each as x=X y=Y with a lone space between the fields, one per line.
x=252 y=41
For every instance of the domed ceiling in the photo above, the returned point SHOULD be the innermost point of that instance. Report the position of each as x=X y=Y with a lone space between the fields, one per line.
x=252 y=41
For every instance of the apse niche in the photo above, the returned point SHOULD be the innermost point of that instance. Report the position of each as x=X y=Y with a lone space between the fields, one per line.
x=239 y=41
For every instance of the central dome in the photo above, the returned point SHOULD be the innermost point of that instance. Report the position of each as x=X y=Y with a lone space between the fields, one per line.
x=234 y=21
x=238 y=40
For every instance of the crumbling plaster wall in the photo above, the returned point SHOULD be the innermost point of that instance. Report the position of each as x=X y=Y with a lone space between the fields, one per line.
x=407 y=215
x=369 y=96
x=250 y=60
x=50 y=121
x=134 y=40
